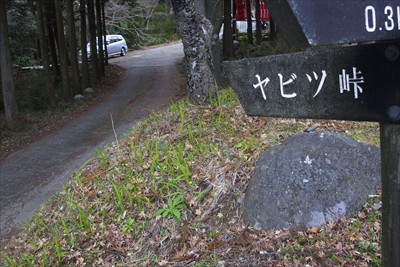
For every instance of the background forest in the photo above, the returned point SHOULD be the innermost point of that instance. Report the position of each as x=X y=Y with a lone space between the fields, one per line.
x=52 y=34
x=140 y=22
x=47 y=39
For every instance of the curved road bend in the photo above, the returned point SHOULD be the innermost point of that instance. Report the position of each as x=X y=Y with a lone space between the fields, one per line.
x=29 y=177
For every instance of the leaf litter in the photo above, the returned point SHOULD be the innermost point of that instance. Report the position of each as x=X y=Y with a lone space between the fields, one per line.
x=171 y=194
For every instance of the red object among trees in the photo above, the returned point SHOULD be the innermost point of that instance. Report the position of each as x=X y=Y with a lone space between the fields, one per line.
x=264 y=13
x=241 y=12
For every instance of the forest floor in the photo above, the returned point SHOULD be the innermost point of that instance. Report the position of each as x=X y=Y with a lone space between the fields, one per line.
x=171 y=193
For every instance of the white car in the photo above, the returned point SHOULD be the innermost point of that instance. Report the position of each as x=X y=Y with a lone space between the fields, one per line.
x=116 y=45
x=241 y=27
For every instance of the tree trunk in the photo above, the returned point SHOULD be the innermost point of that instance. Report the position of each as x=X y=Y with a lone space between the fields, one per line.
x=44 y=47
x=196 y=32
x=100 y=38
x=93 y=46
x=50 y=15
x=103 y=15
x=272 y=28
x=76 y=86
x=227 y=38
x=214 y=13
x=234 y=19
x=85 y=64
x=258 y=23
x=249 y=22
x=53 y=46
x=272 y=25
x=390 y=172
x=62 y=52
x=213 y=10
x=7 y=81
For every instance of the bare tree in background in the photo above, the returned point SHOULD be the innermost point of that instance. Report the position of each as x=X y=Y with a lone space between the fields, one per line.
x=147 y=8
x=120 y=13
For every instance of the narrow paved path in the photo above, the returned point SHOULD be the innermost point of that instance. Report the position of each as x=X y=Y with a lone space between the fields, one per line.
x=32 y=175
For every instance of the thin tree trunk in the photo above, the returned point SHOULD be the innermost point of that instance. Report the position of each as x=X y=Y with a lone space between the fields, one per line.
x=103 y=15
x=258 y=23
x=196 y=32
x=234 y=19
x=93 y=45
x=272 y=28
x=249 y=22
x=50 y=13
x=44 y=47
x=100 y=38
x=53 y=46
x=7 y=81
x=76 y=86
x=62 y=52
x=227 y=38
x=85 y=64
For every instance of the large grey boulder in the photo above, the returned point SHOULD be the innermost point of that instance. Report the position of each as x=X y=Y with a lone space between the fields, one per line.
x=309 y=180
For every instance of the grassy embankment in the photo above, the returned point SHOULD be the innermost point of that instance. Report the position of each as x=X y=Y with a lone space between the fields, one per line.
x=170 y=194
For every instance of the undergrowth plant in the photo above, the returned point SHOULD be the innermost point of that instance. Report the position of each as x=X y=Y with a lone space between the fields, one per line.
x=174 y=209
x=83 y=217
x=170 y=194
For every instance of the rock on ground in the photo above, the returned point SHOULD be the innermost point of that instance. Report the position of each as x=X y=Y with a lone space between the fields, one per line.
x=309 y=180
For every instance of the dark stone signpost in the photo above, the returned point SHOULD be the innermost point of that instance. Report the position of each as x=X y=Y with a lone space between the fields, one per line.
x=348 y=82
x=336 y=83
x=317 y=22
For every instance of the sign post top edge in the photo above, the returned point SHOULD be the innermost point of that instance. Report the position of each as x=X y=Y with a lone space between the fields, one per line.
x=302 y=23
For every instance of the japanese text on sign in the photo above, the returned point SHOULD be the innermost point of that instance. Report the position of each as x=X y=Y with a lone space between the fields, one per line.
x=347 y=82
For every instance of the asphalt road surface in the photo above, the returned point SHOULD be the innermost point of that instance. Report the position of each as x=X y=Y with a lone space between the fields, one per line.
x=29 y=177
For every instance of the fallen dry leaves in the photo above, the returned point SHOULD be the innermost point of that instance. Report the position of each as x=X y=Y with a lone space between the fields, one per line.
x=205 y=156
